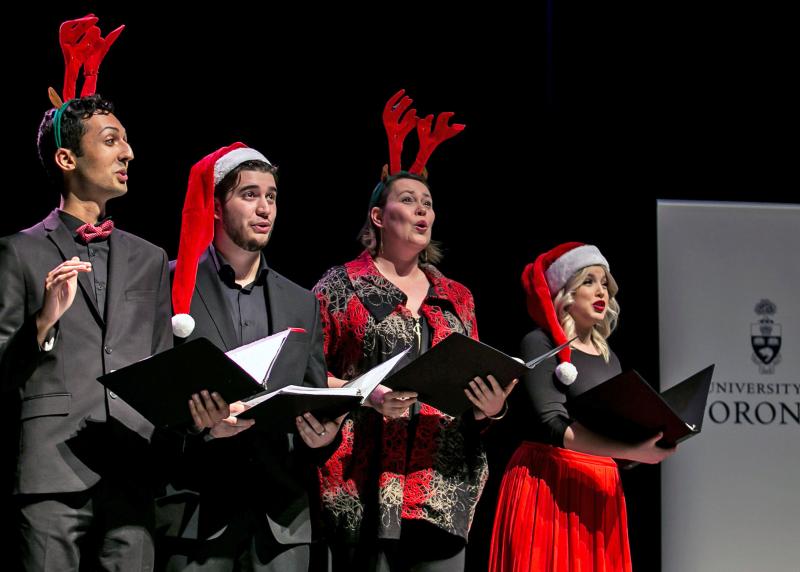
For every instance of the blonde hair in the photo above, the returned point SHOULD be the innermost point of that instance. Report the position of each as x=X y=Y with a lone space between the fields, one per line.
x=600 y=332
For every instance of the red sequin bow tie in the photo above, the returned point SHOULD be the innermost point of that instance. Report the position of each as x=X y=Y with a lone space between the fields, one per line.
x=89 y=232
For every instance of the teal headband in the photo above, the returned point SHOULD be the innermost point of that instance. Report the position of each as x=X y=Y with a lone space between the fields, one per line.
x=376 y=192
x=57 y=121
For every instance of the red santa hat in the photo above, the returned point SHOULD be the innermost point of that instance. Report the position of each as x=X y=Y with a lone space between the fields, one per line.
x=542 y=280
x=197 y=225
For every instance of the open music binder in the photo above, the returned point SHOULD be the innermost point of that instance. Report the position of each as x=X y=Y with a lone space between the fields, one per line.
x=278 y=409
x=628 y=409
x=440 y=375
x=159 y=387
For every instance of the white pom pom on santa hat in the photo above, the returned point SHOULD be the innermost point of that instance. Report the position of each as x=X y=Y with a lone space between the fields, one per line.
x=566 y=372
x=182 y=325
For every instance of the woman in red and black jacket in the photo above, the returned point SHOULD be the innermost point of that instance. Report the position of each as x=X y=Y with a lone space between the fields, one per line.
x=401 y=490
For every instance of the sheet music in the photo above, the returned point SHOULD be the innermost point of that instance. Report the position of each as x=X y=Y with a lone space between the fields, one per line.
x=301 y=390
x=368 y=381
x=258 y=357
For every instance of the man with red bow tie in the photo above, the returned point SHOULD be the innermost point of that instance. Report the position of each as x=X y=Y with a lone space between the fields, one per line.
x=79 y=299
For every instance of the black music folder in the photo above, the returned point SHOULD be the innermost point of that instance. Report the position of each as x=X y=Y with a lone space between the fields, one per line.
x=628 y=409
x=160 y=386
x=440 y=375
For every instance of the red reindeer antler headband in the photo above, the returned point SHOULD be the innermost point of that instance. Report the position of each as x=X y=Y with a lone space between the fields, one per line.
x=82 y=46
x=399 y=120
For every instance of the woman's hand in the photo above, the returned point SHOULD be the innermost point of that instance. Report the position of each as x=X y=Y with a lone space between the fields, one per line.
x=648 y=452
x=488 y=399
x=316 y=433
x=390 y=403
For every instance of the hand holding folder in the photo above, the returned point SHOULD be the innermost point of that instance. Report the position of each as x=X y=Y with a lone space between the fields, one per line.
x=628 y=409
x=440 y=375
x=278 y=409
x=160 y=386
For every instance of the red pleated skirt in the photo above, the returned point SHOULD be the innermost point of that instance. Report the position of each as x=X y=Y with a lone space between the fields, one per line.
x=560 y=511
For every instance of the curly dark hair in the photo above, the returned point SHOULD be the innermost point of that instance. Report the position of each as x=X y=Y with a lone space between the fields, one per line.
x=73 y=127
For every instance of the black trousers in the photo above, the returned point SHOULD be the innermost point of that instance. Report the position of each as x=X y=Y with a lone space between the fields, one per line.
x=247 y=544
x=422 y=547
x=108 y=527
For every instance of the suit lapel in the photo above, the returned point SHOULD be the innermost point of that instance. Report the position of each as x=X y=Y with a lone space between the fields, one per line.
x=61 y=237
x=117 y=273
x=209 y=290
x=278 y=317
x=290 y=364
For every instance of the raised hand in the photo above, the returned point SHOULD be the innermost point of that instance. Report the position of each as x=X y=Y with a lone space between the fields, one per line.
x=60 y=286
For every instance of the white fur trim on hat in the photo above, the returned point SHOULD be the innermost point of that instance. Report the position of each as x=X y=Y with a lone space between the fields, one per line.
x=229 y=162
x=570 y=262
x=566 y=373
x=182 y=325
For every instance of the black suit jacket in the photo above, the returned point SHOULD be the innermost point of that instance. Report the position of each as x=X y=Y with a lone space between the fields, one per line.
x=270 y=471
x=72 y=431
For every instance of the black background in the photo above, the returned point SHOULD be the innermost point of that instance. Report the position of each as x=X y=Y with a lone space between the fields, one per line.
x=578 y=119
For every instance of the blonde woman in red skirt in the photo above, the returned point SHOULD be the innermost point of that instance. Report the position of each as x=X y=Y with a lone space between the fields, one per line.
x=561 y=506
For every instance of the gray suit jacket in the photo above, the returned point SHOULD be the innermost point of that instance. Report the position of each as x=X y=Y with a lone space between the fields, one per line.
x=72 y=431
x=271 y=472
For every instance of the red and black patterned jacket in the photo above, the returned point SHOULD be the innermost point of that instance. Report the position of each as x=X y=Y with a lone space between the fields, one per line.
x=374 y=480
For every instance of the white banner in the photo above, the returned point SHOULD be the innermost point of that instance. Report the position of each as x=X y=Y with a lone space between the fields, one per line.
x=729 y=293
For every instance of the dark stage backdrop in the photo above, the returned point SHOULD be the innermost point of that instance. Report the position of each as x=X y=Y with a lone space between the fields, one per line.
x=578 y=119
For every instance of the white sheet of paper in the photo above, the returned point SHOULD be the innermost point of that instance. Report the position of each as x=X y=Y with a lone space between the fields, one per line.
x=300 y=390
x=257 y=357
x=368 y=381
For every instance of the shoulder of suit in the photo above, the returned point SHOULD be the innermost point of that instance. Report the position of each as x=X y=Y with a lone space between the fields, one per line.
x=203 y=258
x=289 y=285
x=36 y=232
x=139 y=242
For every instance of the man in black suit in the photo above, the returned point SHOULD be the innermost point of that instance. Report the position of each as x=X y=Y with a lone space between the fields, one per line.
x=253 y=487
x=78 y=301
